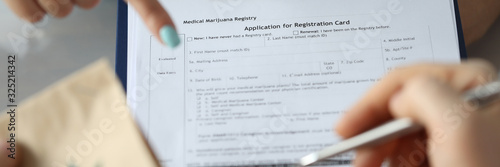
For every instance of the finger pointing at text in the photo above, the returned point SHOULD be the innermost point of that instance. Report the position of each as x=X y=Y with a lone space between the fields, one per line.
x=157 y=20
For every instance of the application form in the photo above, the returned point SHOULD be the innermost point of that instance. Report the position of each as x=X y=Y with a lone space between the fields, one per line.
x=263 y=81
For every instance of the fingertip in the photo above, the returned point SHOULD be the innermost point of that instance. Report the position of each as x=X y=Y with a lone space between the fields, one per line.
x=169 y=36
x=29 y=11
x=338 y=127
x=157 y=20
x=36 y=17
x=63 y=13
x=353 y=121
x=345 y=129
x=359 y=119
x=87 y=4
x=363 y=157
x=375 y=155
x=368 y=157
x=342 y=126
x=57 y=8
x=33 y=19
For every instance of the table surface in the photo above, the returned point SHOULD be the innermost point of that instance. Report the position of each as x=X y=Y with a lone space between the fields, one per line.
x=62 y=46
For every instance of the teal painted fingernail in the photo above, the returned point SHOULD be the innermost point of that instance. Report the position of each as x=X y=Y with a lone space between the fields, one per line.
x=169 y=36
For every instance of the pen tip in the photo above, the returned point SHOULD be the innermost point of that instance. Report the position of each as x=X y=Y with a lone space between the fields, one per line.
x=308 y=159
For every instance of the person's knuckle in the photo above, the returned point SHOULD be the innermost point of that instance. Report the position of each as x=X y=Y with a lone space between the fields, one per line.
x=419 y=83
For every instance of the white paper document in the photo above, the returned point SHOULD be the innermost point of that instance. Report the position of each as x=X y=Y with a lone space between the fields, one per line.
x=263 y=81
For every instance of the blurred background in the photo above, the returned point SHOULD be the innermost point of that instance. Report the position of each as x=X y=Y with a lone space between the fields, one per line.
x=59 y=48
x=62 y=46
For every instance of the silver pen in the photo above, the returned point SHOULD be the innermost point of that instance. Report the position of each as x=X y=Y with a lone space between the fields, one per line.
x=480 y=96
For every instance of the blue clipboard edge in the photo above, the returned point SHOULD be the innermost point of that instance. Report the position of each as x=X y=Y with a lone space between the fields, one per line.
x=122 y=31
x=121 y=43
x=461 y=41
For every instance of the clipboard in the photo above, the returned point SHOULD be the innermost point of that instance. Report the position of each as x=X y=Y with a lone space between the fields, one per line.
x=121 y=40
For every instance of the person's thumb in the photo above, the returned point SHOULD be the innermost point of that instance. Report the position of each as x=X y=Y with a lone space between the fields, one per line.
x=430 y=102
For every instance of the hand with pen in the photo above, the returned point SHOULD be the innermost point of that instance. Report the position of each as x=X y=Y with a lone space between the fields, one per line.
x=151 y=11
x=456 y=134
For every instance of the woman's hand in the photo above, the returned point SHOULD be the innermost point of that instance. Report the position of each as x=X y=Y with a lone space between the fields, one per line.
x=155 y=17
x=456 y=133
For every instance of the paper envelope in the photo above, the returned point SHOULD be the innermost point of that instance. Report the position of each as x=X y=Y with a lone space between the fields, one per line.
x=80 y=121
